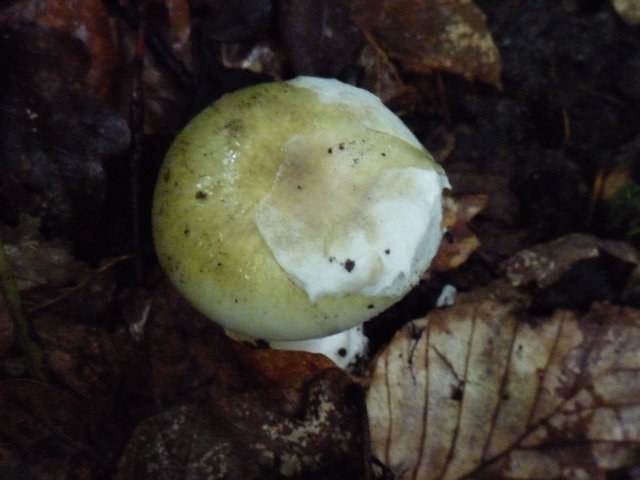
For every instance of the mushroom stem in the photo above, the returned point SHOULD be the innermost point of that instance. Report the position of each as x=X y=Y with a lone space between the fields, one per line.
x=344 y=348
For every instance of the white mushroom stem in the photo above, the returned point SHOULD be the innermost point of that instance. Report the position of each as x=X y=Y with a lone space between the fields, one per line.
x=344 y=348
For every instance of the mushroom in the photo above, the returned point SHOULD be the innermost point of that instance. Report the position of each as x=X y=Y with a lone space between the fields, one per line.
x=291 y=211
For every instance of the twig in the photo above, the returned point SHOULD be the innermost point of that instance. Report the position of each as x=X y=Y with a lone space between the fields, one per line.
x=82 y=284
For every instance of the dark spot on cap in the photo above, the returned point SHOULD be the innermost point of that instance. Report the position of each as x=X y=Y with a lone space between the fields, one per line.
x=329 y=150
x=371 y=306
x=200 y=195
x=387 y=251
x=342 y=352
x=349 y=265
x=187 y=231
x=341 y=146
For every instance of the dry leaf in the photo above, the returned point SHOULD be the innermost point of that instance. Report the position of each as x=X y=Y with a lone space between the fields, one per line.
x=573 y=271
x=426 y=35
x=544 y=264
x=179 y=16
x=84 y=20
x=82 y=357
x=311 y=433
x=50 y=278
x=381 y=76
x=56 y=135
x=472 y=391
x=290 y=368
x=45 y=434
x=319 y=36
x=460 y=241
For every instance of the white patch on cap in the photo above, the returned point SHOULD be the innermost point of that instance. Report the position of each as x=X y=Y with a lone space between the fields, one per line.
x=372 y=113
x=344 y=216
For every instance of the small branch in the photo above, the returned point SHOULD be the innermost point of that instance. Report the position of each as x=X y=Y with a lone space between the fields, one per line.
x=82 y=284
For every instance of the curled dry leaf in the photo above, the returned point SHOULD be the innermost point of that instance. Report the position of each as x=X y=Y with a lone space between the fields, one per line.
x=426 y=35
x=544 y=264
x=575 y=270
x=460 y=241
x=472 y=391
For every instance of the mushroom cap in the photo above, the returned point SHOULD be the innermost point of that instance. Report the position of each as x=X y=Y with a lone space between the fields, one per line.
x=296 y=210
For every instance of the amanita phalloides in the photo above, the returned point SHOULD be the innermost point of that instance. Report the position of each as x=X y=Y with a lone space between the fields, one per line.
x=292 y=211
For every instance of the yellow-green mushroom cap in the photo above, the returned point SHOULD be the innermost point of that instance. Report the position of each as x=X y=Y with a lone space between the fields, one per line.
x=295 y=210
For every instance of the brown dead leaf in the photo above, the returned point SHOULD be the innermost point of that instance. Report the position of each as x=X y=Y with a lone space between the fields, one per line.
x=575 y=270
x=231 y=411
x=86 y=20
x=56 y=135
x=319 y=36
x=262 y=58
x=460 y=241
x=544 y=264
x=179 y=16
x=381 y=77
x=81 y=356
x=188 y=354
x=44 y=434
x=472 y=391
x=427 y=35
x=283 y=367
x=315 y=432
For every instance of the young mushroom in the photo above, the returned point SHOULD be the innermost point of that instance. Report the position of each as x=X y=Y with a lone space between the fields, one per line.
x=296 y=210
